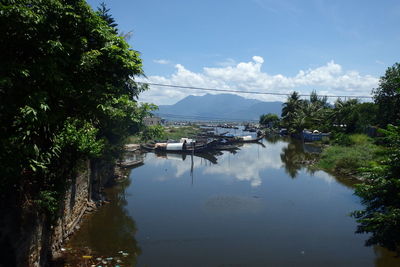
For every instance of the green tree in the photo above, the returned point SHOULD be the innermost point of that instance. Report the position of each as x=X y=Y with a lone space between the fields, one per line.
x=152 y=132
x=104 y=13
x=344 y=116
x=290 y=109
x=380 y=195
x=269 y=119
x=367 y=116
x=387 y=96
x=301 y=114
x=67 y=92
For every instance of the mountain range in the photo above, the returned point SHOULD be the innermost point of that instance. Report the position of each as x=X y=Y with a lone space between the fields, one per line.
x=227 y=107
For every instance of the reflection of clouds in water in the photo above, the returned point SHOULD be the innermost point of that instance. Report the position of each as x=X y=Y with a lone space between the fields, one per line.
x=246 y=165
x=324 y=176
x=248 y=162
x=174 y=163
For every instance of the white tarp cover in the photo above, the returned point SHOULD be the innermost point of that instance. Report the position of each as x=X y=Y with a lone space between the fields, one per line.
x=247 y=138
x=174 y=146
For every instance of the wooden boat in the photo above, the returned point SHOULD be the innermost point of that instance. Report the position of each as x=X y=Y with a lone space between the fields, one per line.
x=247 y=139
x=179 y=147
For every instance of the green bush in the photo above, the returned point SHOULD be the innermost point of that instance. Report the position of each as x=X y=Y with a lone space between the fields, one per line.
x=349 y=159
x=360 y=139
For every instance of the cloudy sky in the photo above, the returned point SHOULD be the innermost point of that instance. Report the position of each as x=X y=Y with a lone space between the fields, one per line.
x=334 y=47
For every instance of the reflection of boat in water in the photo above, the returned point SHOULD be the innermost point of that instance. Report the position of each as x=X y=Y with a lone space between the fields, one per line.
x=227 y=147
x=182 y=156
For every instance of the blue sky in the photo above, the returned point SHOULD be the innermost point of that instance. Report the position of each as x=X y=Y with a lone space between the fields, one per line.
x=335 y=47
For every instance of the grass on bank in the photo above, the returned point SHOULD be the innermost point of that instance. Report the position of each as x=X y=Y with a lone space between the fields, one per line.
x=349 y=154
x=169 y=132
x=177 y=132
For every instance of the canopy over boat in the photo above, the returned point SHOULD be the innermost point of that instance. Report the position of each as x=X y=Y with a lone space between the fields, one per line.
x=174 y=146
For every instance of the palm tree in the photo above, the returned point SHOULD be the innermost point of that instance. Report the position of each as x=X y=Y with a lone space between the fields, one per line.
x=290 y=108
x=291 y=105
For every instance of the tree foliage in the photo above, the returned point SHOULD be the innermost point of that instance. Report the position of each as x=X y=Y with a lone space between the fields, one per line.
x=387 y=96
x=299 y=114
x=66 y=91
x=347 y=116
x=152 y=132
x=104 y=13
x=381 y=197
x=269 y=119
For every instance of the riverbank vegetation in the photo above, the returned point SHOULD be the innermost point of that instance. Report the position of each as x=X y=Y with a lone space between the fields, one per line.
x=375 y=159
x=67 y=94
x=158 y=132
x=349 y=154
x=176 y=133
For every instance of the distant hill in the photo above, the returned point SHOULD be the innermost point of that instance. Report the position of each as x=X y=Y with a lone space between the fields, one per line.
x=222 y=106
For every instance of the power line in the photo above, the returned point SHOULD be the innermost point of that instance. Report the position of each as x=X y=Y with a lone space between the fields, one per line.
x=246 y=92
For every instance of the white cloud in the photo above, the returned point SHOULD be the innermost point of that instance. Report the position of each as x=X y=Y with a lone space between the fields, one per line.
x=161 y=61
x=246 y=168
x=329 y=79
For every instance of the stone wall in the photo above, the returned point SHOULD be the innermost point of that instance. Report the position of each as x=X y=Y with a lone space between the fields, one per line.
x=83 y=195
x=26 y=236
x=76 y=202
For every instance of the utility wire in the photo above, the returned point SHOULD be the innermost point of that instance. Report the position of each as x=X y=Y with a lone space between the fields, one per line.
x=246 y=92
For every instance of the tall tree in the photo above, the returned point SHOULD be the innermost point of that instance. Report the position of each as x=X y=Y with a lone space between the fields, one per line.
x=104 y=13
x=67 y=91
x=387 y=96
x=290 y=108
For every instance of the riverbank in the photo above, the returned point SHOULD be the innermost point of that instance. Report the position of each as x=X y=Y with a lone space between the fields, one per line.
x=349 y=155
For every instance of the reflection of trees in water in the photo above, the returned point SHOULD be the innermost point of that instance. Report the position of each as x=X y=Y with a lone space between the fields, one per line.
x=385 y=258
x=273 y=138
x=296 y=156
x=110 y=229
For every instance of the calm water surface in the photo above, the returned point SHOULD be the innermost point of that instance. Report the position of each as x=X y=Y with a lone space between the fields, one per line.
x=256 y=207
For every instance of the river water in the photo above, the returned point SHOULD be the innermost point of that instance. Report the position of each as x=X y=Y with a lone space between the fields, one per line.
x=260 y=206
